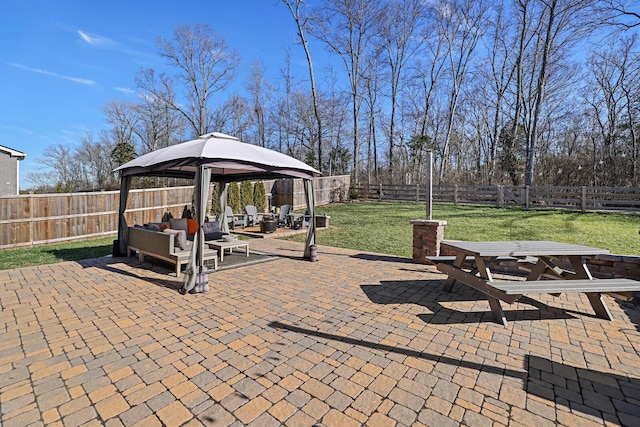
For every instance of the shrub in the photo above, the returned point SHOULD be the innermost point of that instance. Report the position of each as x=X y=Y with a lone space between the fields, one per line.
x=353 y=191
x=233 y=198
x=246 y=194
x=260 y=196
x=216 y=209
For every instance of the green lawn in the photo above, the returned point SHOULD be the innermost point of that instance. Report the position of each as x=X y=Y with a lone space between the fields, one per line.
x=58 y=252
x=384 y=227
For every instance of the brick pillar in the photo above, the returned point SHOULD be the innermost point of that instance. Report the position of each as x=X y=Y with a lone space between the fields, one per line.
x=427 y=235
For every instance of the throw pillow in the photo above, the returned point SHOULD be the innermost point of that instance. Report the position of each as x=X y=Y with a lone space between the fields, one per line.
x=179 y=224
x=192 y=226
x=211 y=227
x=179 y=239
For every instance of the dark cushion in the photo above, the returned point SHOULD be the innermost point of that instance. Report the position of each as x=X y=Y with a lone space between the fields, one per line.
x=211 y=227
x=211 y=231
x=214 y=236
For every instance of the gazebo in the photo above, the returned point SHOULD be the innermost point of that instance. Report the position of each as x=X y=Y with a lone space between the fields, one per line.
x=214 y=157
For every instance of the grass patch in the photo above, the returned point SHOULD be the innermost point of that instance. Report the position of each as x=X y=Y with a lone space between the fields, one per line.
x=383 y=227
x=54 y=253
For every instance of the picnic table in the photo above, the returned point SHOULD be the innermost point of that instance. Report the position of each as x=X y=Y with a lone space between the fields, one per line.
x=474 y=260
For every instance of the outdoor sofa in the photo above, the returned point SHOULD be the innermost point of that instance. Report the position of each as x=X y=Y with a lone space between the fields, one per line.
x=170 y=242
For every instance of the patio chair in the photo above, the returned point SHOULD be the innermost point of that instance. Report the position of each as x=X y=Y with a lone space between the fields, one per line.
x=253 y=218
x=232 y=219
x=283 y=219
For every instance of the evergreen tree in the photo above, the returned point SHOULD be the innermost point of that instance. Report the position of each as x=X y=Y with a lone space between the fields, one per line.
x=246 y=194
x=216 y=209
x=260 y=196
x=233 y=198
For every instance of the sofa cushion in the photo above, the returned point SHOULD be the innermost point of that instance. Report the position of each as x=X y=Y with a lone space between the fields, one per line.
x=179 y=224
x=180 y=239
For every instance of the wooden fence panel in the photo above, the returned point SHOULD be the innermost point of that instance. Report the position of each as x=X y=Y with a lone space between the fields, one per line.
x=568 y=197
x=612 y=198
x=28 y=220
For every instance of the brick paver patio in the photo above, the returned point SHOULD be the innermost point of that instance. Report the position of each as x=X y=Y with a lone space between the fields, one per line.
x=354 y=339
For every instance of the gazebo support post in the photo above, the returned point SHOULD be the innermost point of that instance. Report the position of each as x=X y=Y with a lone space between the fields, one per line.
x=125 y=186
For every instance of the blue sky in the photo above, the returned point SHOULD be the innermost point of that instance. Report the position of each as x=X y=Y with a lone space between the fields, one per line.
x=62 y=60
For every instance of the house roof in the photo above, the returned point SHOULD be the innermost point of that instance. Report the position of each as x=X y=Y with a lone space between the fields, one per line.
x=13 y=153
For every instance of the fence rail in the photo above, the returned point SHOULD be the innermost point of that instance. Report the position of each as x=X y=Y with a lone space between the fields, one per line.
x=29 y=220
x=577 y=197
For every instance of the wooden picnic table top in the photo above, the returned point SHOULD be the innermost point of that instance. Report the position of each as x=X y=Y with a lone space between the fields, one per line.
x=521 y=248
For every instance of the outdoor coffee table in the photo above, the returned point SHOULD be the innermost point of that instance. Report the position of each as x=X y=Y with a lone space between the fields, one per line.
x=221 y=245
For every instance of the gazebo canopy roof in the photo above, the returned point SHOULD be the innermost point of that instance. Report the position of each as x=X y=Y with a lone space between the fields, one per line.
x=226 y=157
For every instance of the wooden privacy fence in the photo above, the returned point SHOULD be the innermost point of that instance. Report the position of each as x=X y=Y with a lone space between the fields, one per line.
x=577 y=197
x=35 y=219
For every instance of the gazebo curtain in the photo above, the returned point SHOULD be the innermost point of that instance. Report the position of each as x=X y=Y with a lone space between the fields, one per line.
x=311 y=205
x=224 y=224
x=125 y=185
x=201 y=197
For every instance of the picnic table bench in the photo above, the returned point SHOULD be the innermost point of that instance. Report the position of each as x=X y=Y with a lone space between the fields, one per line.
x=538 y=254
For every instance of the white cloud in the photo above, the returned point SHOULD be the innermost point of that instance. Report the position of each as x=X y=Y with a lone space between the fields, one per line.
x=95 y=40
x=86 y=82
x=107 y=43
x=125 y=90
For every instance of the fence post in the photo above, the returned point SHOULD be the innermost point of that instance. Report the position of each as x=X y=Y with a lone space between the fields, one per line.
x=584 y=198
x=500 y=196
x=526 y=197
x=455 y=194
x=31 y=224
x=417 y=192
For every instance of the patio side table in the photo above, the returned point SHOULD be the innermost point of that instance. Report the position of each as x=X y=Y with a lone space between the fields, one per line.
x=221 y=245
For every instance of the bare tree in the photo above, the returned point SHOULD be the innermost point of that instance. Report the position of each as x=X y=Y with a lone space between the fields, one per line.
x=400 y=23
x=158 y=124
x=500 y=74
x=258 y=89
x=122 y=118
x=461 y=23
x=43 y=182
x=346 y=27
x=301 y=25
x=233 y=117
x=94 y=158
x=59 y=157
x=336 y=109
x=283 y=117
x=205 y=65
x=618 y=13
x=564 y=23
x=371 y=90
x=612 y=94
